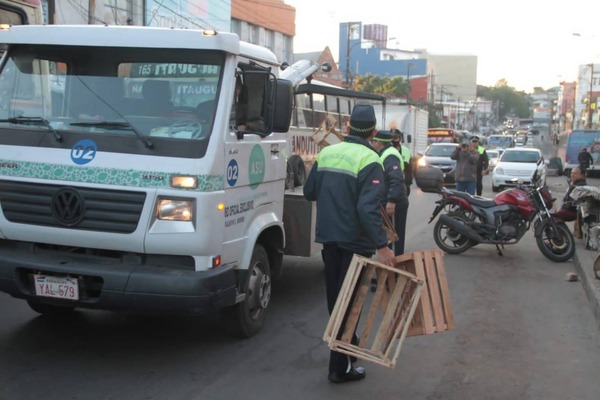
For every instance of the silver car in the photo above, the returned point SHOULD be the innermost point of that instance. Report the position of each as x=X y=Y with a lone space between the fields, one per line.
x=438 y=155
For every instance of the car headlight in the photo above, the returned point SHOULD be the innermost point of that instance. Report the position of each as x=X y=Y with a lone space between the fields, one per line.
x=499 y=170
x=422 y=162
x=175 y=210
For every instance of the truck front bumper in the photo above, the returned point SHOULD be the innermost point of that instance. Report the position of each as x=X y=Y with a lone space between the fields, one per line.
x=112 y=285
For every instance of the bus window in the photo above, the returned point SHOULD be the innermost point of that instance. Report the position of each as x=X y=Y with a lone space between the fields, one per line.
x=15 y=12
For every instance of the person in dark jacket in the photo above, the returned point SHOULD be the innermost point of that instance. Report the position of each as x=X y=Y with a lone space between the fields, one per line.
x=465 y=173
x=568 y=210
x=396 y=202
x=585 y=160
x=347 y=182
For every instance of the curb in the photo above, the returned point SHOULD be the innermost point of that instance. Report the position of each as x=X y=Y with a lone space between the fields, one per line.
x=591 y=288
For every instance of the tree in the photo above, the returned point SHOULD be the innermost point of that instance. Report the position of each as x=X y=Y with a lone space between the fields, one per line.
x=507 y=100
x=392 y=86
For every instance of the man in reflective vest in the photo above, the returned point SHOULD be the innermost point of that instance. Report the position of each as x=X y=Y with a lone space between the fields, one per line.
x=397 y=142
x=396 y=203
x=482 y=164
x=347 y=182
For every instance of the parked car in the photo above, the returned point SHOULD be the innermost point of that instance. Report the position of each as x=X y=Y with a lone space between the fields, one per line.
x=518 y=164
x=437 y=155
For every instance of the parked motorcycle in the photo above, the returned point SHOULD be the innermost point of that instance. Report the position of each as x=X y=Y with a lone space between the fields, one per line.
x=500 y=221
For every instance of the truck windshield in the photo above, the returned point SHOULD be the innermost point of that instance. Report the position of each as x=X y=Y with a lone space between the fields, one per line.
x=159 y=94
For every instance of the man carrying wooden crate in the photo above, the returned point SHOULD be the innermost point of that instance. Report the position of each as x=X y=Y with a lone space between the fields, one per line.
x=347 y=182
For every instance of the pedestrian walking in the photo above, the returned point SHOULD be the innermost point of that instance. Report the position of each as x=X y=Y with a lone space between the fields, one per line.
x=396 y=201
x=465 y=173
x=347 y=182
x=585 y=160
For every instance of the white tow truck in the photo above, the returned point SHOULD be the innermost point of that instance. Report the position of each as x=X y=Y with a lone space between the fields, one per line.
x=128 y=186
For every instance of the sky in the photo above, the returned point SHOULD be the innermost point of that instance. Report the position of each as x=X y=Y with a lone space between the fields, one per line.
x=530 y=43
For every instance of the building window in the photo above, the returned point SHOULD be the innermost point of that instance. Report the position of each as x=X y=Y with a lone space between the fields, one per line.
x=270 y=39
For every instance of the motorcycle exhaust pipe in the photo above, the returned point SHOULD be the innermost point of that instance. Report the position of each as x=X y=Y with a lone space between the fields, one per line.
x=461 y=228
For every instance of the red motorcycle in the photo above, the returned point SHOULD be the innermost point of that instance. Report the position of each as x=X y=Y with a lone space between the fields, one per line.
x=500 y=221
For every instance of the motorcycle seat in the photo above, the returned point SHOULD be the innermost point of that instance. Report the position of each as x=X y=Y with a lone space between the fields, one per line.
x=476 y=200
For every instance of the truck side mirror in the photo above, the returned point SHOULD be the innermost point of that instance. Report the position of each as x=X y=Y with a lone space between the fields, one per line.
x=282 y=108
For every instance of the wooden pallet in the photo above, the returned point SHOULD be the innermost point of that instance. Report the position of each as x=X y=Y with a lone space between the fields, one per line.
x=326 y=128
x=434 y=312
x=386 y=313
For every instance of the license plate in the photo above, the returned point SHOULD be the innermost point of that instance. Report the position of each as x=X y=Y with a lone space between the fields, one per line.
x=56 y=286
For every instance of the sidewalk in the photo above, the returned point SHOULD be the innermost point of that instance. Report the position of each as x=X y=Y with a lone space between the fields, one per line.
x=584 y=258
x=584 y=263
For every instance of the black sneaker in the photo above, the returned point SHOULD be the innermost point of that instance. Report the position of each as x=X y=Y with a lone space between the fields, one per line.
x=355 y=374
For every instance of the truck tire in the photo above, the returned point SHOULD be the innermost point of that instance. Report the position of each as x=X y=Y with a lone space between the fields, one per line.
x=50 y=309
x=245 y=319
x=297 y=165
x=289 y=177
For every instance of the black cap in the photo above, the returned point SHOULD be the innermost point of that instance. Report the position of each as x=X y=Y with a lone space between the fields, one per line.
x=397 y=134
x=362 y=120
x=383 y=136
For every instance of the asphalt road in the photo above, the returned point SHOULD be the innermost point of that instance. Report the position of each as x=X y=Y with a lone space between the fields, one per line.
x=522 y=332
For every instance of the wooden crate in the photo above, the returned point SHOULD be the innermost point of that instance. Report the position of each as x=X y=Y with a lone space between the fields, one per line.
x=385 y=313
x=434 y=311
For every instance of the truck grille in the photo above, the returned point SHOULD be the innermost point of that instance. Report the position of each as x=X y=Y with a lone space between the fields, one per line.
x=71 y=207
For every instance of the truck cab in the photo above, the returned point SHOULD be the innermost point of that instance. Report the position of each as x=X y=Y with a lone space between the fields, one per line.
x=125 y=182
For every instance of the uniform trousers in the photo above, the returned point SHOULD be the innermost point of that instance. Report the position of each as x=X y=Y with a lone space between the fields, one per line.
x=479 y=183
x=336 y=260
x=400 y=227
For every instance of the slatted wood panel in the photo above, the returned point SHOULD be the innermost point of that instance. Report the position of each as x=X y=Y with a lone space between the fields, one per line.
x=380 y=317
x=434 y=311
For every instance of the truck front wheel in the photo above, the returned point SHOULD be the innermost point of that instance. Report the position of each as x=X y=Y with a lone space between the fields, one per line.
x=245 y=319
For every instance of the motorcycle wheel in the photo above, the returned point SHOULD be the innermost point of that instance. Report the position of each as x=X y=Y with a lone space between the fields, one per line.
x=448 y=239
x=557 y=245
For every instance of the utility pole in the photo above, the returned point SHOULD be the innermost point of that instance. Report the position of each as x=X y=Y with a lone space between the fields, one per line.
x=349 y=27
x=91 y=11
x=589 y=102
x=347 y=55
x=408 y=66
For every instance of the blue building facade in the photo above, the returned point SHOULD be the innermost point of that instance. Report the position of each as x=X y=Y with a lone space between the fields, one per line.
x=362 y=50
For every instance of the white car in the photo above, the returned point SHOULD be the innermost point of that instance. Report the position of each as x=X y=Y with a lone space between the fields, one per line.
x=518 y=165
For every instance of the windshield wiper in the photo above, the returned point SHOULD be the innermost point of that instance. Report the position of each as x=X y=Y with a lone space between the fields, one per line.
x=39 y=121
x=117 y=125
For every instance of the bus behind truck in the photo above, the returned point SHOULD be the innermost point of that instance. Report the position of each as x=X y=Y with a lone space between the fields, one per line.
x=134 y=189
x=15 y=12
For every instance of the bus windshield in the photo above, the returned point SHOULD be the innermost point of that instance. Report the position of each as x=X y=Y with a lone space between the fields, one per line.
x=500 y=141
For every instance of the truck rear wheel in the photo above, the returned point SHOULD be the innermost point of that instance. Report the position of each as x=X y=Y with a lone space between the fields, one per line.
x=296 y=164
x=245 y=319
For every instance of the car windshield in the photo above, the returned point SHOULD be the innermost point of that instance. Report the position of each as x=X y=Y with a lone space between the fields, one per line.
x=521 y=156
x=440 y=151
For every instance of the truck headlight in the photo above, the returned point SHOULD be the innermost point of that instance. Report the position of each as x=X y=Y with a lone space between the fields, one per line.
x=175 y=210
x=499 y=171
